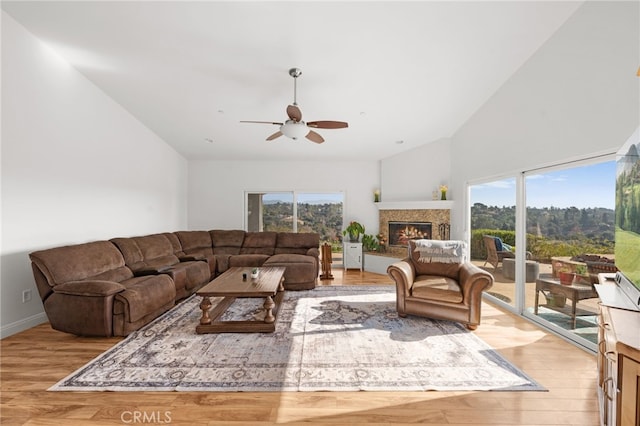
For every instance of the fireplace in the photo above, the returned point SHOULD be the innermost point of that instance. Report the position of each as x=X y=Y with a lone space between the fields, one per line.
x=438 y=219
x=401 y=232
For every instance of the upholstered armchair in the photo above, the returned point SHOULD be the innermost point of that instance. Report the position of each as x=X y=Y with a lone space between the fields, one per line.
x=441 y=288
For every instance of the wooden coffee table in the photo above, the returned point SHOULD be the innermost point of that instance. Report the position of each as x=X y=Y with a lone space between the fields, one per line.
x=230 y=285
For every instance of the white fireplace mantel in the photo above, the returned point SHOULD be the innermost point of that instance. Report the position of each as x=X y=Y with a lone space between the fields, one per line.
x=415 y=205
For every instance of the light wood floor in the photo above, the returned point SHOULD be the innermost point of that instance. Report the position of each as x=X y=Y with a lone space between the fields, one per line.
x=35 y=359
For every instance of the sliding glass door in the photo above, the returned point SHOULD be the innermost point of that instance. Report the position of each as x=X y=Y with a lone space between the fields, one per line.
x=493 y=235
x=555 y=220
x=570 y=229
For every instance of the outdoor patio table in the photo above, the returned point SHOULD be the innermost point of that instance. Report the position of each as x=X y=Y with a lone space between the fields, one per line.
x=574 y=292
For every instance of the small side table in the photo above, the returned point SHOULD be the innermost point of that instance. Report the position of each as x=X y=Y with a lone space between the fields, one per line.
x=575 y=292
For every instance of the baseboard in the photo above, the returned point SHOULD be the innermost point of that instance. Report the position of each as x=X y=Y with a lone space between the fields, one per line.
x=23 y=324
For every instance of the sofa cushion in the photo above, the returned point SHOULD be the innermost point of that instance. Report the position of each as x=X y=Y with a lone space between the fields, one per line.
x=130 y=251
x=91 y=288
x=143 y=295
x=197 y=245
x=247 y=260
x=195 y=242
x=150 y=251
x=259 y=243
x=197 y=273
x=97 y=259
x=290 y=258
x=157 y=249
x=434 y=287
x=226 y=242
x=118 y=275
x=299 y=268
x=298 y=243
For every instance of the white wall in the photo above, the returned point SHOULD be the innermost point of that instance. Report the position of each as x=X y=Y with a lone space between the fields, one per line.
x=413 y=175
x=577 y=96
x=76 y=167
x=217 y=188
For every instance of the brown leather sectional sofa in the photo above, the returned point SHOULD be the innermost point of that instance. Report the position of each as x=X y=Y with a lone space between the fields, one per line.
x=112 y=288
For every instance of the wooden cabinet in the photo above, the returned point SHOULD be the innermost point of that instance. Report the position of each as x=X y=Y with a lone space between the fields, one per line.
x=619 y=367
x=352 y=255
x=629 y=388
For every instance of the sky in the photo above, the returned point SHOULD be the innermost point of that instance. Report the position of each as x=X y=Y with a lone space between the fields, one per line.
x=581 y=187
x=306 y=197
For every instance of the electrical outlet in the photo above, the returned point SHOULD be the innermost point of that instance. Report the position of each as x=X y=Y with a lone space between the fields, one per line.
x=26 y=296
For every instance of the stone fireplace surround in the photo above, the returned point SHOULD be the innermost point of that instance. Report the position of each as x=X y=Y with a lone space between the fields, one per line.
x=436 y=216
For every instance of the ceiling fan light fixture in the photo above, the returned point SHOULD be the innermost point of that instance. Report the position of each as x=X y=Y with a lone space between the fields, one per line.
x=294 y=130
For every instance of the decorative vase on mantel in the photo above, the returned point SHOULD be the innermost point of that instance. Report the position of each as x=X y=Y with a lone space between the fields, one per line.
x=443 y=192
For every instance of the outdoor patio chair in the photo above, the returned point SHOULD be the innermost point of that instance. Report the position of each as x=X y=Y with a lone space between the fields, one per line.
x=495 y=256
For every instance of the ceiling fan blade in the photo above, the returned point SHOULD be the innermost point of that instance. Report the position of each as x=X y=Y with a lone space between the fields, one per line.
x=294 y=113
x=262 y=122
x=328 y=124
x=314 y=137
x=275 y=135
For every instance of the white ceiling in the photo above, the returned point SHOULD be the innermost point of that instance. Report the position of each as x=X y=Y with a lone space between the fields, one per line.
x=395 y=71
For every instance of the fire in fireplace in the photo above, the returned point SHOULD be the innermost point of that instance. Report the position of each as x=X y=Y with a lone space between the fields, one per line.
x=401 y=232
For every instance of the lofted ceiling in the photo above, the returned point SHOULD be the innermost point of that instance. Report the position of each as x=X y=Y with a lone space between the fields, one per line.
x=402 y=74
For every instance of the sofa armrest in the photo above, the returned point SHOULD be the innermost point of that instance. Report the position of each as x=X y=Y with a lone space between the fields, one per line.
x=191 y=257
x=150 y=270
x=473 y=281
x=313 y=251
x=404 y=275
x=90 y=288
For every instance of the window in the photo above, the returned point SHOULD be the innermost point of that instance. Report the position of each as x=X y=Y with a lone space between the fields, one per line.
x=292 y=211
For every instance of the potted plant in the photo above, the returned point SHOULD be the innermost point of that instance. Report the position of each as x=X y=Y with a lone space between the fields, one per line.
x=566 y=275
x=582 y=274
x=555 y=299
x=369 y=243
x=354 y=230
x=255 y=272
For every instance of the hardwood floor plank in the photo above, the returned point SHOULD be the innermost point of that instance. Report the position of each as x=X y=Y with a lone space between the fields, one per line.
x=34 y=360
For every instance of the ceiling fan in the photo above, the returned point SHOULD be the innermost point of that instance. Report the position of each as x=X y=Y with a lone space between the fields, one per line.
x=294 y=127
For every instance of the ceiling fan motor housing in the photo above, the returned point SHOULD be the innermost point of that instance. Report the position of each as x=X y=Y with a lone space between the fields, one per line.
x=294 y=130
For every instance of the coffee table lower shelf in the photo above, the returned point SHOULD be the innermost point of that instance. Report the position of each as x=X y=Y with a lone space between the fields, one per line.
x=268 y=325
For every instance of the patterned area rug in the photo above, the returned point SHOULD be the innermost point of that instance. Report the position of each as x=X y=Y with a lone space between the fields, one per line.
x=327 y=339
